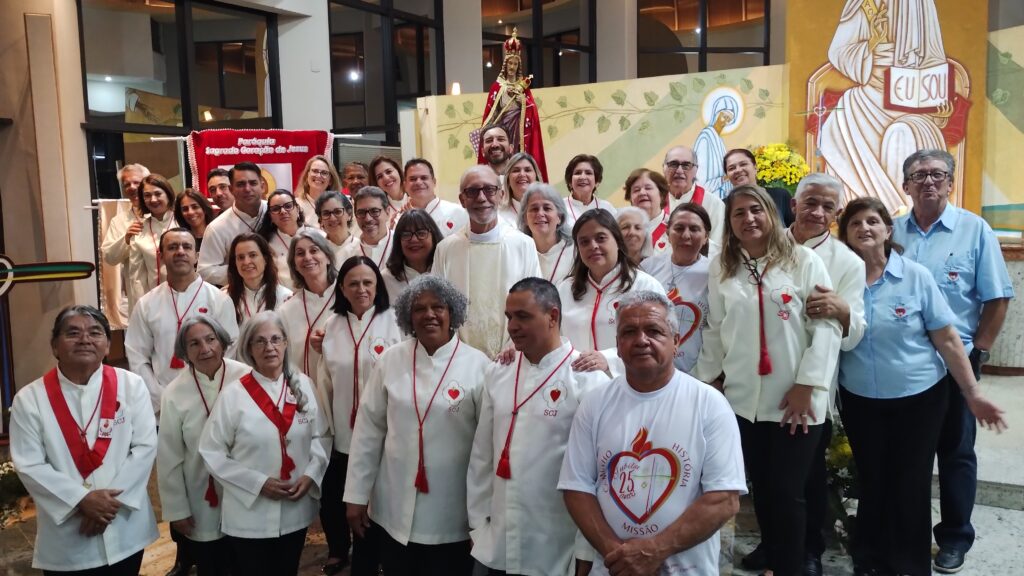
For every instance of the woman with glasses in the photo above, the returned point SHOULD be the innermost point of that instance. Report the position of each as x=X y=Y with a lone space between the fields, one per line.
x=193 y=211
x=189 y=498
x=334 y=210
x=416 y=238
x=413 y=435
x=265 y=442
x=601 y=274
x=252 y=277
x=543 y=218
x=376 y=242
x=317 y=177
x=285 y=220
x=520 y=172
x=582 y=176
x=361 y=328
x=775 y=370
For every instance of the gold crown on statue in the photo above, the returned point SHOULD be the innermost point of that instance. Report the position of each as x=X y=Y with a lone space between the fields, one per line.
x=513 y=47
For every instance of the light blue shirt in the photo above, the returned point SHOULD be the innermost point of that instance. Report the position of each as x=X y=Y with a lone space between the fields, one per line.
x=895 y=358
x=963 y=255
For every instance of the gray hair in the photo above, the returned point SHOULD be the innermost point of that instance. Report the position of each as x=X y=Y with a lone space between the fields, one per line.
x=317 y=238
x=638 y=297
x=131 y=168
x=482 y=169
x=648 y=248
x=547 y=192
x=79 y=310
x=821 y=180
x=928 y=154
x=244 y=351
x=458 y=304
x=372 y=192
x=180 y=344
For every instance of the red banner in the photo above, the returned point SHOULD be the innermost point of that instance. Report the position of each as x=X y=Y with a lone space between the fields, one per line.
x=282 y=154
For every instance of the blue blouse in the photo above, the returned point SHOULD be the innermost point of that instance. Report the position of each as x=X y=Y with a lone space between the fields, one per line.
x=896 y=358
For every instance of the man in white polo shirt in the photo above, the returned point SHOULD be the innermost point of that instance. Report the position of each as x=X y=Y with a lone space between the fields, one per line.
x=653 y=467
x=243 y=216
x=420 y=185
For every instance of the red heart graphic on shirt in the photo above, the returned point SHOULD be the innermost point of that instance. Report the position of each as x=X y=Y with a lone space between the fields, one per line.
x=954 y=275
x=697 y=321
x=378 y=348
x=453 y=393
x=615 y=305
x=900 y=312
x=555 y=395
x=641 y=480
x=450 y=224
x=661 y=245
x=203 y=310
x=786 y=298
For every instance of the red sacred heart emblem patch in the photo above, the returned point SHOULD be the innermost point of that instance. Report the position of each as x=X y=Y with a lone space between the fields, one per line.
x=378 y=348
x=615 y=305
x=786 y=298
x=953 y=275
x=640 y=480
x=453 y=393
x=555 y=395
x=450 y=224
x=900 y=311
x=203 y=310
x=661 y=244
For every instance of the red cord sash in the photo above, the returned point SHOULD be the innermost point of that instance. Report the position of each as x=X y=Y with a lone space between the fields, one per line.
x=86 y=460
x=355 y=370
x=211 y=491
x=178 y=363
x=283 y=422
x=764 y=364
x=597 y=303
x=421 y=469
x=309 y=329
x=504 y=466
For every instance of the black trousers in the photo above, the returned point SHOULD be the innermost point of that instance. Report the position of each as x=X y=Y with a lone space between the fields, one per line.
x=128 y=567
x=211 y=558
x=958 y=473
x=425 y=560
x=816 y=496
x=893 y=442
x=365 y=559
x=778 y=465
x=279 y=556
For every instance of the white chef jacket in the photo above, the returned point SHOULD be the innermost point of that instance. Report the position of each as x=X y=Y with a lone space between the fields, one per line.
x=115 y=251
x=626 y=446
x=716 y=211
x=344 y=250
x=803 y=351
x=308 y=206
x=515 y=259
x=505 y=514
x=213 y=258
x=252 y=302
x=153 y=328
x=449 y=216
x=846 y=270
x=379 y=253
x=574 y=208
x=142 y=272
x=44 y=464
x=384 y=453
x=303 y=314
x=279 y=244
x=687 y=288
x=394 y=285
x=240 y=447
x=661 y=245
x=182 y=476
x=556 y=263
x=576 y=315
x=336 y=374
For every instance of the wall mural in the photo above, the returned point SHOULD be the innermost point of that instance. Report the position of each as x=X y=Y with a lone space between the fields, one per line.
x=1003 y=196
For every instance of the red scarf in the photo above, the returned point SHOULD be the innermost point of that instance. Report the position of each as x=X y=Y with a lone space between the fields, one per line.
x=280 y=421
x=504 y=466
x=86 y=460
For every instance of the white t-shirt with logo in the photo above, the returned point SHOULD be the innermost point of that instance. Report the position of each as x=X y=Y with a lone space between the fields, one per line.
x=648 y=456
x=687 y=288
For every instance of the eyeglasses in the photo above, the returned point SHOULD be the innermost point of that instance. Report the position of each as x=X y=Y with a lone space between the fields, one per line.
x=287 y=207
x=262 y=343
x=94 y=334
x=336 y=213
x=473 y=192
x=935 y=175
x=323 y=173
x=371 y=212
x=421 y=234
x=673 y=166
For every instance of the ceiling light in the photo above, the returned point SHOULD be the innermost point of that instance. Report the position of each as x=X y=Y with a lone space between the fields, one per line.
x=500 y=22
x=488 y=65
x=207 y=116
x=697 y=30
x=108 y=78
x=354 y=75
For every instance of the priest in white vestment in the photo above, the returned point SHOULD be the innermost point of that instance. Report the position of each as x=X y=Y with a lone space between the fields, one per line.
x=484 y=260
x=83 y=440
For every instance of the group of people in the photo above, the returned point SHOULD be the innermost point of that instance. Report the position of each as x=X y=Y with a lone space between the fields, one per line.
x=520 y=383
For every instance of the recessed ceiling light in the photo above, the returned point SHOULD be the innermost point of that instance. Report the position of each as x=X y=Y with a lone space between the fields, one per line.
x=354 y=75
x=108 y=79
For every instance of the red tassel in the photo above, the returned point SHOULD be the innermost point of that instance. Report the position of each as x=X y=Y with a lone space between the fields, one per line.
x=287 y=464
x=177 y=363
x=421 y=479
x=211 y=493
x=504 y=467
x=764 y=366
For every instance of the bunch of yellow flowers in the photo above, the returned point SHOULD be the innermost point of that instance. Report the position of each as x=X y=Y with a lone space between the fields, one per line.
x=779 y=165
